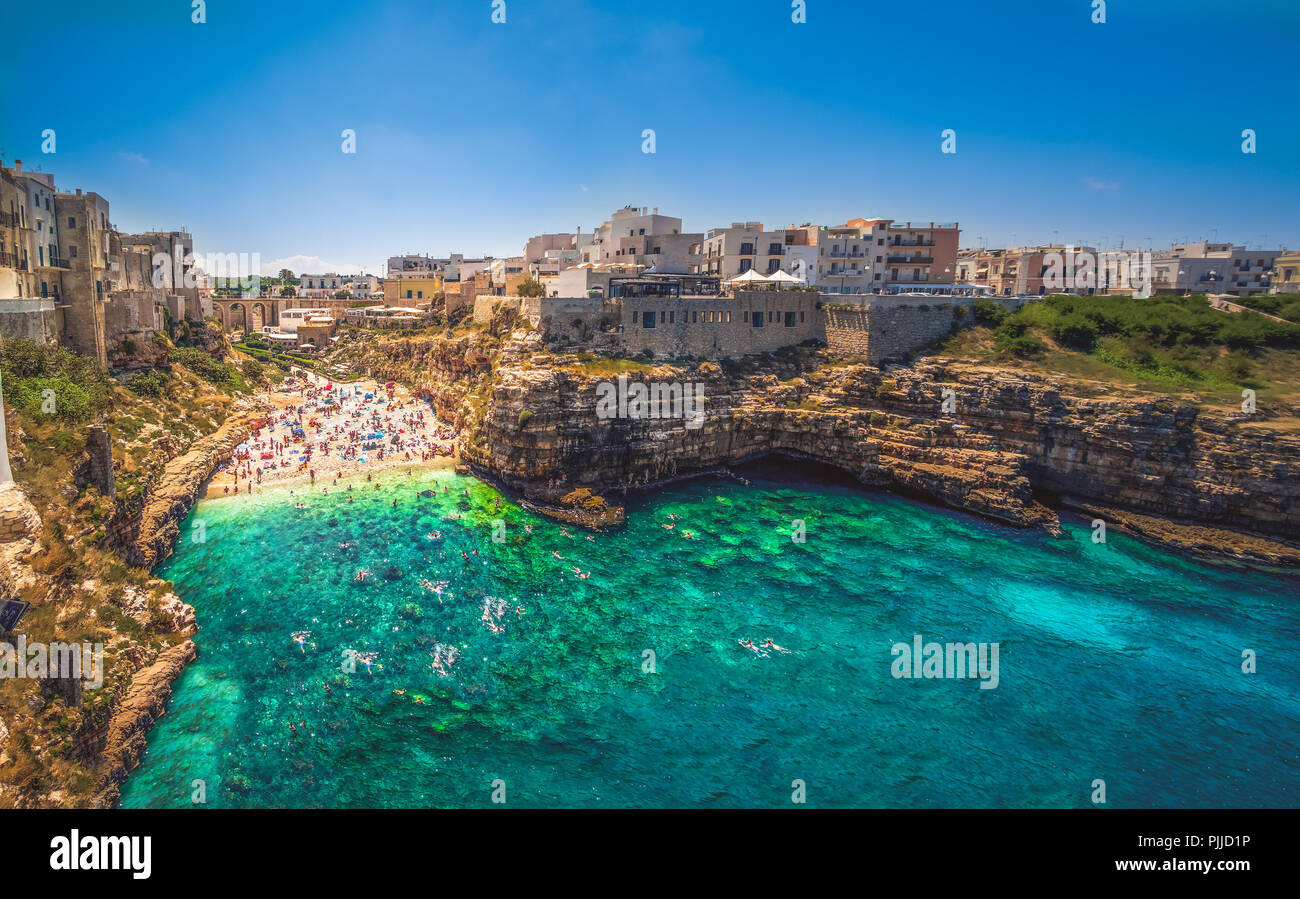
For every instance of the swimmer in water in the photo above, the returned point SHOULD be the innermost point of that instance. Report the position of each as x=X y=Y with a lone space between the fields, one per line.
x=557 y=555
x=748 y=644
x=528 y=528
x=401 y=692
x=770 y=645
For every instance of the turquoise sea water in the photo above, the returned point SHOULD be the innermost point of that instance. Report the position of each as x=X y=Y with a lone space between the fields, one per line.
x=1117 y=662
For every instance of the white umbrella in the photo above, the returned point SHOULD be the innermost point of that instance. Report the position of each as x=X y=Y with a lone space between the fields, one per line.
x=782 y=277
x=748 y=277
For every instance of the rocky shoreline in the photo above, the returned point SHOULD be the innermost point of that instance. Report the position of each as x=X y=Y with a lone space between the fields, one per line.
x=1007 y=446
x=154 y=537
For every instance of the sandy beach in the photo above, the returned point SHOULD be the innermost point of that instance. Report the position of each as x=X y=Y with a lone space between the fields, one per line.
x=334 y=436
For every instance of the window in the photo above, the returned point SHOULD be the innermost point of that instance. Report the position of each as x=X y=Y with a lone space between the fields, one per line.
x=72 y=222
x=408 y=294
x=771 y=315
x=45 y=289
x=672 y=318
x=801 y=315
x=649 y=320
x=72 y=251
x=635 y=315
x=789 y=319
x=419 y=294
x=746 y=318
x=757 y=320
x=695 y=317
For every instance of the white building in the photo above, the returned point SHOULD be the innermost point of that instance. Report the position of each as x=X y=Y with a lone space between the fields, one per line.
x=1204 y=267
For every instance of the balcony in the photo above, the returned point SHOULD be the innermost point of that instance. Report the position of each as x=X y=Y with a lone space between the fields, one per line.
x=912 y=260
x=8 y=260
x=918 y=242
x=8 y=220
x=59 y=262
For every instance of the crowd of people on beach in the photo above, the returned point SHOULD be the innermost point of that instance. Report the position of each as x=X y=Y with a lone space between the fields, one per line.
x=328 y=430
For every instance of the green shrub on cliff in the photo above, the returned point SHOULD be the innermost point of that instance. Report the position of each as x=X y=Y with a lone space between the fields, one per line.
x=202 y=364
x=45 y=381
x=148 y=383
x=987 y=312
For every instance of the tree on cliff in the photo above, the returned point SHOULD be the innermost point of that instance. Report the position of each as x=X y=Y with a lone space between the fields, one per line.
x=531 y=288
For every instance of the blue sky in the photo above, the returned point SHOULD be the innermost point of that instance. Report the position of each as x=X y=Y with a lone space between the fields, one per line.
x=472 y=136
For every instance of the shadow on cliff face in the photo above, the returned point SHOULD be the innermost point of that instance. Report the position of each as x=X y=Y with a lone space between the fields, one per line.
x=797 y=472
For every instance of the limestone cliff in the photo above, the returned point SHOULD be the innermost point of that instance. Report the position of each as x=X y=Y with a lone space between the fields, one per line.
x=1011 y=446
x=170 y=499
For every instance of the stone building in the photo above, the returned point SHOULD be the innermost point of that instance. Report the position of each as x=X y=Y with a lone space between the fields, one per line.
x=712 y=327
x=84 y=228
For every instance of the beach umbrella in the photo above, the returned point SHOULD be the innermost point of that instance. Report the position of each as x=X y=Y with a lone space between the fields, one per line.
x=748 y=277
x=783 y=277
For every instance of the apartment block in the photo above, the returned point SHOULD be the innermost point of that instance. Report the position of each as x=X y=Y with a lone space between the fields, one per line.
x=745 y=246
x=871 y=255
x=414 y=289
x=921 y=254
x=851 y=258
x=639 y=236
x=1213 y=268
x=1286 y=273
x=1024 y=271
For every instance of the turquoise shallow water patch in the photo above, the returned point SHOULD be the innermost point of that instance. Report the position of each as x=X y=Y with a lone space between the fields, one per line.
x=1116 y=661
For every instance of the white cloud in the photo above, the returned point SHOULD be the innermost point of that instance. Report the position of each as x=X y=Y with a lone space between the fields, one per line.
x=134 y=157
x=310 y=264
x=1098 y=184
